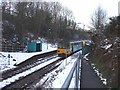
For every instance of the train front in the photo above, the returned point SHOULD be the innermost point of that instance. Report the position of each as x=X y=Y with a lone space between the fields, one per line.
x=63 y=49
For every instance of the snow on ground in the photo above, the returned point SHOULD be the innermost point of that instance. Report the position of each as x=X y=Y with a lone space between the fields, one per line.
x=27 y=72
x=56 y=78
x=8 y=59
x=107 y=46
x=85 y=56
x=47 y=46
x=61 y=77
x=104 y=80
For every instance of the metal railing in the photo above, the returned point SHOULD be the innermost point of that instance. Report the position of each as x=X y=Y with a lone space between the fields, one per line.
x=75 y=69
x=7 y=48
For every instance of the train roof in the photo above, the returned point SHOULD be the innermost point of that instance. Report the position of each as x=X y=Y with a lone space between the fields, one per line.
x=75 y=42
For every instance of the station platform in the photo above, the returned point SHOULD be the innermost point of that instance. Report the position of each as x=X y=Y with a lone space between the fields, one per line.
x=89 y=78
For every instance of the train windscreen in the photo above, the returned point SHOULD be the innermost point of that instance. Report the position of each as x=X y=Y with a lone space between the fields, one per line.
x=63 y=44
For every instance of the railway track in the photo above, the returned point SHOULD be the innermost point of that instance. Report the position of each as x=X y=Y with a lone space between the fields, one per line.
x=29 y=63
x=25 y=82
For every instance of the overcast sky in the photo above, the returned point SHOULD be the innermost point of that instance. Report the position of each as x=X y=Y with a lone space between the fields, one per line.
x=83 y=9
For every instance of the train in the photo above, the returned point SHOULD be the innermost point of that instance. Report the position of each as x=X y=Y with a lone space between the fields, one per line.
x=66 y=48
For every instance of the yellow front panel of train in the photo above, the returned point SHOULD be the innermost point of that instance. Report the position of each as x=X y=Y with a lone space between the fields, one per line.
x=63 y=51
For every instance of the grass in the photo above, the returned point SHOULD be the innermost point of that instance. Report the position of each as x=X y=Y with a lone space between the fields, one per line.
x=101 y=67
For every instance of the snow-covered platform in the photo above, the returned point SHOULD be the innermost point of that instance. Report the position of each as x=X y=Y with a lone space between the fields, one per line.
x=9 y=59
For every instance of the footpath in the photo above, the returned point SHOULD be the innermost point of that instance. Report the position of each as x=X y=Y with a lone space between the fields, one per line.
x=89 y=78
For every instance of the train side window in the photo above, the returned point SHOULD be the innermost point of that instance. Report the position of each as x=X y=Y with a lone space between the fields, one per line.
x=72 y=48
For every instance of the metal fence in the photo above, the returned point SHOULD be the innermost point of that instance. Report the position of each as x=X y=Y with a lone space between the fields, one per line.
x=75 y=69
x=11 y=48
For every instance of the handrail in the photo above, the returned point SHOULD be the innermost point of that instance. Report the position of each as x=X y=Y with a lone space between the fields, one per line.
x=75 y=69
x=69 y=78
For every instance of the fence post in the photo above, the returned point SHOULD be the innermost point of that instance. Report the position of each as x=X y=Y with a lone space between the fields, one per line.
x=76 y=76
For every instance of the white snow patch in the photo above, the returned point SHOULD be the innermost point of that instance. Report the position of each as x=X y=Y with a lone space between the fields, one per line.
x=107 y=46
x=47 y=46
x=85 y=56
x=61 y=77
x=104 y=80
x=48 y=78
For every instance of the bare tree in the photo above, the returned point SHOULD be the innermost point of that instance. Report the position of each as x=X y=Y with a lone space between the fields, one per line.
x=99 y=18
x=66 y=13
